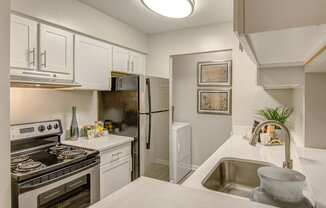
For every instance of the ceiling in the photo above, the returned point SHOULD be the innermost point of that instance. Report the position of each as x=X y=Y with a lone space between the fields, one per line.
x=134 y=13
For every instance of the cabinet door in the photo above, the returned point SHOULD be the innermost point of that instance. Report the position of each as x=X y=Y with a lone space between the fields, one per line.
x=121 y=60
x=23 y=43
x=93 y=63
x=138 y=64
x=56 y=50
x=114 y=177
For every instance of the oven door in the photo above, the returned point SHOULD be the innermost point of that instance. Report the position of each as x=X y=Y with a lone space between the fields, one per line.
x=77 y=191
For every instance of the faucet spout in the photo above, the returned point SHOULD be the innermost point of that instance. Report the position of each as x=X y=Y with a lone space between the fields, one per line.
x=288 y=163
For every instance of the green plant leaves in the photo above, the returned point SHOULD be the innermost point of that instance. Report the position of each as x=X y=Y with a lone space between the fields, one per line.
x=280 y=114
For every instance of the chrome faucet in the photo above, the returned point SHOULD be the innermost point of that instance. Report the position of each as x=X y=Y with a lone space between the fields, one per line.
x=288 y=163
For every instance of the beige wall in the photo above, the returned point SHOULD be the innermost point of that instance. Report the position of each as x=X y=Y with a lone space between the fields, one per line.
x=208 y=131
x=315 y=113
x=77 y=16
x=4 y=107
x=28 y=105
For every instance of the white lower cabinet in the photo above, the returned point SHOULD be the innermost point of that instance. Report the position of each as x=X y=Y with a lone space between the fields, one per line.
x=116 y=167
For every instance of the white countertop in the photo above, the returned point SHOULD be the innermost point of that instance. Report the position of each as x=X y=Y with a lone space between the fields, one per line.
x=150 y=193
x=100 y=143
x=313 y=162
x=146 y=192
x=238 y=147
x=313 y=168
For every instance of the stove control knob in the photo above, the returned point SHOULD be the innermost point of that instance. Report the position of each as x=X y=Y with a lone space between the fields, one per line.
x=56 y=126
x=41 y=128
x=49 y=127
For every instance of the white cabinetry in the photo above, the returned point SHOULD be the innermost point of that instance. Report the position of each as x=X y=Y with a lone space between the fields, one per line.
x=128 y=62
x=121 y=60
x=93 y=63
x=23 y=43
x=116 y=167
x=40 y=51
x=137 y=62
x=56 y=51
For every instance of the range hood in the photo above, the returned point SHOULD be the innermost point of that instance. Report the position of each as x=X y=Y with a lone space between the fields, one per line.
x=32 y=82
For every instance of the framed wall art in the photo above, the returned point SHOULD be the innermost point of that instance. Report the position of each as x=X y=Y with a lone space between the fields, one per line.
x=214 y=101
x=215 y=73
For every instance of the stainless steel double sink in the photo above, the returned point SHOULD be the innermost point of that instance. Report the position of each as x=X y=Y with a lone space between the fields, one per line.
x=234 y=176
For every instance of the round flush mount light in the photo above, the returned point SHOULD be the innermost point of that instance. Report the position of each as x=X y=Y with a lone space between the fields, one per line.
x=171 y=8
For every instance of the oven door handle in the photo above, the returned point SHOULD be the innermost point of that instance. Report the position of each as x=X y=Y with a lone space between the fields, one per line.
x=27 y=187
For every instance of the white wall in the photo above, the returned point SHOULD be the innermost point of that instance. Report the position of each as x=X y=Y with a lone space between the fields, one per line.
x=315 y=113
x=193 y=40
x=247 y=96
x=77 y=16
x=299 y=114
x=4 y=106
x=208 y=131
x=28 y=105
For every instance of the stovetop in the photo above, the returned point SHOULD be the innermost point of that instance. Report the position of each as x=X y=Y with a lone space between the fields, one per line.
x=37 y=162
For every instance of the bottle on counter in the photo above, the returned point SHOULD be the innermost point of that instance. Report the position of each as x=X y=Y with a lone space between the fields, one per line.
x=74 y=130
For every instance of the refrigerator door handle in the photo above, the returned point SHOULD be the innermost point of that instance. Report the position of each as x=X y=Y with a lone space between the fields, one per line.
x=148 y=142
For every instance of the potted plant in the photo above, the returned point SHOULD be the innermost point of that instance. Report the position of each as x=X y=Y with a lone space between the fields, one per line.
x=280 y=114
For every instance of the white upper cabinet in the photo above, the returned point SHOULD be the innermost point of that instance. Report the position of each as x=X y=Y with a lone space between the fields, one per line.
x=280 y=33
x=93 y=63
x=23 y=43
x=56 y=51
x=127 y=61
x=137 y=63
x=121 y=59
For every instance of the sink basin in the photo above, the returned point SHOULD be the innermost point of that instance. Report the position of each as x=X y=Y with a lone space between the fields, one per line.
x=234 y=176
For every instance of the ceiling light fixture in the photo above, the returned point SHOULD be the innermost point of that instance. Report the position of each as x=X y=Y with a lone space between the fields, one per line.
x=171 y=8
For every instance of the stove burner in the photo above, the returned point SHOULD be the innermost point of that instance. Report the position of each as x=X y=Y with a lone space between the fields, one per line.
x=58 y=148
x=19 y=159
x=28 y=166
x=71 y=154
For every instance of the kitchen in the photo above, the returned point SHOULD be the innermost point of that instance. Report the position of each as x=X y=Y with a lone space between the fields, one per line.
x=65 y=39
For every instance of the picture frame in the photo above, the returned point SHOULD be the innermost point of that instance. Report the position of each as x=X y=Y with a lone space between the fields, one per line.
x=214 y=101
x=214 y=73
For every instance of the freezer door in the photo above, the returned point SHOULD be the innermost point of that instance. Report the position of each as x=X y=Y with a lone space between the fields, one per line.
x=159 y=148
x=155 y=91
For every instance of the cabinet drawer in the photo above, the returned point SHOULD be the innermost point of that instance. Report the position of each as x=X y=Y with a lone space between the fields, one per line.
x=115 y=154
x=115 y=176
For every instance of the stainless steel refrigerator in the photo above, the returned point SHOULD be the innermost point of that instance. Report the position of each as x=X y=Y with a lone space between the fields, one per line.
x=139 y=106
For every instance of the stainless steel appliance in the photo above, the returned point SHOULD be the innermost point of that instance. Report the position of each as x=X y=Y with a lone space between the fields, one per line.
x=139 y=107
x=45 y=173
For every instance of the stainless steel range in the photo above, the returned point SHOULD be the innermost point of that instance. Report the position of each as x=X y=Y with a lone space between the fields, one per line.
x=47 y=174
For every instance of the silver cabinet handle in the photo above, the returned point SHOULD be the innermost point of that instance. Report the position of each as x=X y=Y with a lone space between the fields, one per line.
x=128 y=69
x=33 y=56
x=132 y=64
x=44 y=59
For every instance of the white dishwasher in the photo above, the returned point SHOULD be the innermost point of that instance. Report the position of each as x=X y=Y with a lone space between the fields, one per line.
x=181 y=161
